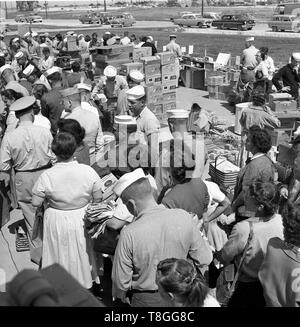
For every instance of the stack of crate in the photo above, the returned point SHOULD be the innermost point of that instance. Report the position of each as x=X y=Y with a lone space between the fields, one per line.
x=141 y=52
x=114 y=55
x=216 y=87
x=161 y=82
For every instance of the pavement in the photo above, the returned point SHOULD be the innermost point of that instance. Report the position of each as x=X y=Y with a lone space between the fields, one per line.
x=11 y=262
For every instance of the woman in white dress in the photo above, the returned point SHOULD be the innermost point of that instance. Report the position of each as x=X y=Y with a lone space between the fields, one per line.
x=180 y=285
x=67 y=188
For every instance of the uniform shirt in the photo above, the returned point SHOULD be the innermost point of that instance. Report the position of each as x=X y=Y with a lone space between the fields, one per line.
x=111 y=89
x=263 y=231
x=87 y=106
x=280 y=275
x=125 y=40
x=147 y=124
x=248 y=57
x=289 y=77
x=93 y=131
x=175 y=48
x=51 y=107
x=40 y=120
x=26 y=148
x=46 y=64
x=157 y=233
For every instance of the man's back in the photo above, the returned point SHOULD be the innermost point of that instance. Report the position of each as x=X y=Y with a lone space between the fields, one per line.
x=158 y=233
x=248 y=59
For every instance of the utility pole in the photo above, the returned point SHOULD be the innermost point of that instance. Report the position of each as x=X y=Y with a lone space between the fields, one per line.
x=202 y=8
x=46 y=7
x=105 y=5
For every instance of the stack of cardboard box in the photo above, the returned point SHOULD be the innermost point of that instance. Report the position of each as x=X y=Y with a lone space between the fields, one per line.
x=161 y=83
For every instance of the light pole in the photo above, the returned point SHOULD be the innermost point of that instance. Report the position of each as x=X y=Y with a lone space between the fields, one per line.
x=46 y=5
x=105 y=5
x=202 y=8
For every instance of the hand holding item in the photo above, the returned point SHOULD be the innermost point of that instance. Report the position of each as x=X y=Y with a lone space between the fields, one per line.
x=284 y=192
x=286 y=89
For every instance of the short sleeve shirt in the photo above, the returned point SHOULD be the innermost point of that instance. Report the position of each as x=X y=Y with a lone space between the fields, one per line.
x=147 y=124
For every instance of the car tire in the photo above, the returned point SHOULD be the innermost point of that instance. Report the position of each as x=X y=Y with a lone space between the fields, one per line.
x=180 y=25
x=274 y=29
x=200 y=25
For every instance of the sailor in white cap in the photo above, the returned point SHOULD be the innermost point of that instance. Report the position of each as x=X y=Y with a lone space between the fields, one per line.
x=149 y=237
x=28 y=165
x=93 y=129
x=148 y=125
x=51 y=102
x=135 y=77
x=111 y=84
x=85 y=94
x=125 y=40
x=290 y=76
x=32 y=74
x=174 y=47
x=47 y=61
x=248 y=60
x=8 y=77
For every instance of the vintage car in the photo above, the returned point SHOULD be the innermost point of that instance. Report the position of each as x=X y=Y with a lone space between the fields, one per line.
x=179 y=15
x=281 y=23
x=20 y=19
x=242 y=22
x=34 y=19
x=191 y=20
x=211 y=15
x=121 y=20
x=90 y=19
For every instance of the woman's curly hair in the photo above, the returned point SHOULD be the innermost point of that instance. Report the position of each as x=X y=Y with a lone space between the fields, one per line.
x=290 y=213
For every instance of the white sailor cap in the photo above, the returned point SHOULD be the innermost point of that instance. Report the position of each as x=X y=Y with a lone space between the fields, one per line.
x=28 y=70
x=22 y=103
x=172 y=36
x=80 y=35
x=84 y=86
x=52 y=70
x=34 y=34
x=136 y=76
x=40 y=82
x=178 y=113
x=15 y=39
x=111 y=41
x=43 y=45
x=26 y=34
x=110 y=71
x=128 y=179
x=296 y=56
x=47 y=34
x=2 y=54
x=19 y=54
x=107 y=33
x=1 y=35
x=250 y=39
x=70 y=33
x=135 y=92
x=4 y=67
x=150 y=38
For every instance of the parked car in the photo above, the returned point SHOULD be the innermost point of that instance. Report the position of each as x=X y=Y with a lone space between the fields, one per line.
x=121 y=20
x=180 y=14
x=281 y=23
x=190 y=20
x=34 y=19
x=90 y=19
x=240 y=22
x=211 y=15
x=20 y=19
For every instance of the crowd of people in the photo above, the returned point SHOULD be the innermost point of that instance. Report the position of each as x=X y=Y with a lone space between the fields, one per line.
x=175 y=232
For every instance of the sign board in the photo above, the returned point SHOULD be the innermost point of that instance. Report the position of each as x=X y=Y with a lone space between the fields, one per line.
x=191 y=49
x=223 y=59
x=164 y=48
x=183 y=49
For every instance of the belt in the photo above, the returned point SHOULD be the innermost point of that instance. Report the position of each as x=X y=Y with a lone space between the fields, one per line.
x=49 y=165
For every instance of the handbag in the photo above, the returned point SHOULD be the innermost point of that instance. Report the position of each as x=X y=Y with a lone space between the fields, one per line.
x=226 y=282
x=38 y=225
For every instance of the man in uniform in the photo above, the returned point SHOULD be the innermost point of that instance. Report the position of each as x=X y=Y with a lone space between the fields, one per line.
x=27 y=149
x=110 y=85
x=148 y=126
x=51 y=102
x=8 y=80
x=93 y=130
x=156 y=233
x=290 y=77
x=248 y=61
x=172 y=46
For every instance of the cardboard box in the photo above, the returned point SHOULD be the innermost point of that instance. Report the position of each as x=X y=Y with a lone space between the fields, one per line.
x=280 y=136
x=288 y=119
x=72 y=43
x=169 y=97
x=155 y=99
x=151 y=70
x=166 y=57
x=109 y=181
x=285 y=106
x=116 y=63
x=169 y=106
x=137 y=54
x=112 y=49
x=157 y=109
x=125 y=69
x=169 y=86
x=169 y=69
x=215 y=80
x=101 y=57
x=168 y=78
x=153 y=80
x=153 y=90
x=278 y=97
x=150 y=60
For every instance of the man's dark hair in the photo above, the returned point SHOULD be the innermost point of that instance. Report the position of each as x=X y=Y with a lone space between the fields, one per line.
x=260 y=138
x=75 y=66
x=73 y=127
x=264 y=52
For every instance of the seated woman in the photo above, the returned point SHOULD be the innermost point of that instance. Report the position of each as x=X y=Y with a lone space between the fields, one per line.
x=67 y=188
x=267 y=223
x=190 y=194
x=280 y=271
x=260 y=166
x=180 y=285
x=81 y=154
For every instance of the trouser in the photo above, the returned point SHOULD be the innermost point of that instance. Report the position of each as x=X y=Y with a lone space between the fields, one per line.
x=109 y=115
x=24 y=184
x=146 y=299
x=122 y=103
x=248 y=295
